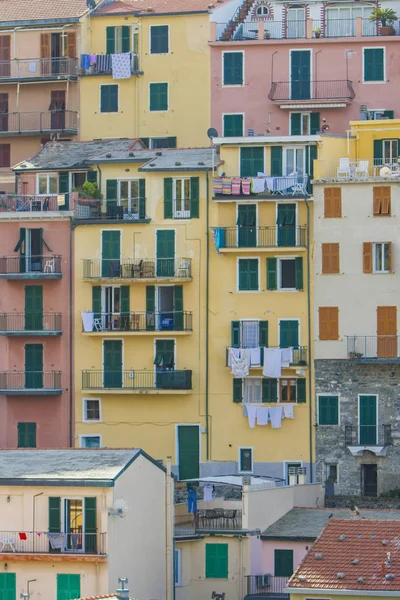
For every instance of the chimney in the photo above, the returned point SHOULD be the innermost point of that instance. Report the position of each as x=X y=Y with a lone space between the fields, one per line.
x=122 y=593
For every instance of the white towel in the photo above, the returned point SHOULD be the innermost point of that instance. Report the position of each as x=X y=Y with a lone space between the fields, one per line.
x=262 y=415
x=240 y=366
x=87 y=321
x=244 y=410
x=288 y=411
x=255 y=357
x=235 y=352
x=251 y=415
x=121 y=65
x=272 y=362
x=258 y=185
x=32 y=67
x=287 y=357
x=276 y=414
x=208 y=492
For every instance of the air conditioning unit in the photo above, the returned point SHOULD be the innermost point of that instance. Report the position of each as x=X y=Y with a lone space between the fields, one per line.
x=262 y=580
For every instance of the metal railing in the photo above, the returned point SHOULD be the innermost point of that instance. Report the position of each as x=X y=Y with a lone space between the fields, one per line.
x=373 y=347
x=29 y=380
x=49 y=264
x=130 y=210
x=213 y=519
x=300 y=356
x=38 y=68
x=263 y=237
x=141 y=321
x=351 y=169
x=102 y=64
x=41 y=122
x=368 y=435
x=137 y=268
x=370 y=28
x=28 y=203
x=42 y=542
x=274 y=30
x=25 y=322
x=267 y=585
x=137 y=380
x=337 y=89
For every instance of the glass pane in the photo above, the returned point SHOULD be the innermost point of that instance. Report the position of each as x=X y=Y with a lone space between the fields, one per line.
x=250 y=334
x=386 y=257
x=53 y=184
x=378 y=257
x=42 y=184
x=92 y=442
x=292 y=390
x=300 y=160
x=305 y=124
x=118 y=40
x=288 y=274
x=289 y=161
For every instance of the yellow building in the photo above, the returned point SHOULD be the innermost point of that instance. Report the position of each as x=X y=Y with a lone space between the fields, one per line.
x=165 y=95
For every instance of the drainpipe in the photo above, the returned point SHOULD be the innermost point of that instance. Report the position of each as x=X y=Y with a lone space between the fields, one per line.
x=34 y=517
x=71 y=427
x=170 y=555
x=207 y=311
x=310 y=414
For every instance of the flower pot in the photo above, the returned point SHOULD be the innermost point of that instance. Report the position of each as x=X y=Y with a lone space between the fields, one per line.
x=317 y=34
x=388 y=30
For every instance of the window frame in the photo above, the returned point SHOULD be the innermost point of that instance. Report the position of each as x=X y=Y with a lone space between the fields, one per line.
x=84 y=411
x=163 y=110
x=236 y=85
x=391 y=142
x=318 y=410
x=108 y=112
x=326 y=467
x=168 y=40
x=294 y=149
x=240 y=470
x=178 y=567
x=378 y=81
x=186 y=214
x=236 y=114
x=298 y=329
x=238 y=290
x=289 y=380
x=302 y=115
x=82 y=437
x=279 y=287
x=286 y=464
x=26 y=434
x=374 y=256
x=205 y=561
x=253 y=380
x=48 y=177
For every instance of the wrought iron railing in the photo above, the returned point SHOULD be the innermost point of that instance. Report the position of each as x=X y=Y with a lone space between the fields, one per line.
x=29 y=380
x=300 y=356
x=139 y=321
x=137 y=380
x=43 y=542
x=49 y=264
x=282 y=91
x=130 y=210
x=266 y=585
x=262 y=237
x=41 y=122
x=25 y=322
x=373 y=347
x=272 y=30
x=213 y=519
x=368 y=435
x=28 y=203
x=38 y=68
x=137 y=268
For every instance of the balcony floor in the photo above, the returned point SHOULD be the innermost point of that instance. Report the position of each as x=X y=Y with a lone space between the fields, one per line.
x=39 y=79
x=30 y=392
x=137 y=279
x=72 y=131
x=157 y=332
x=30 y=333
x=275 y=249
x=375 y=361
x=30 y=276
x=52 y=557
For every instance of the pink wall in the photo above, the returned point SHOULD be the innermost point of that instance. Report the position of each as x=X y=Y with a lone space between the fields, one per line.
x=328 y=64
x=262 y=554
x=50 y=413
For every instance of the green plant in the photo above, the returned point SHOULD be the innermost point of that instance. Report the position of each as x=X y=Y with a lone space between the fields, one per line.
x=318 y=30
x=89 y=190
x=385 y=16
x=355 y=355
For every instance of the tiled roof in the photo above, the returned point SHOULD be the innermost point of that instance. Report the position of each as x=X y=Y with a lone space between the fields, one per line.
x=141 y=7
x=40 y=10
x=355 y=554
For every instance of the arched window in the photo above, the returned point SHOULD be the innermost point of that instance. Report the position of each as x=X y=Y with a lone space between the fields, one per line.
x=262 y=11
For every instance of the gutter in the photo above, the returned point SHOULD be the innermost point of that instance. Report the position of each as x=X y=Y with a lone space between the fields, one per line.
x=361 y=593
x=208 y=453
x=71 y=333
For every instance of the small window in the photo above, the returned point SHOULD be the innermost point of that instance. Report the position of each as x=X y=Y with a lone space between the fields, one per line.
x=332 y=203
x=232 y=68
x=233 y=125
x=382 y=201
x=91 y=409
x=162 y=142
x=90 y=441
x=288 y=390
x=158 y=96
x=46 y=183
x=5 y=155
x=293 y=471
x=109 y=98
x=217 y=561
x=374 y=64
x=287 y=274
x=382 y=256
x=178 y=567
x=328 y=410
x=262 y=11
x=328 y=323
x=159 y=39
x=283 y=560
x=331 y=473
x=248 y=275
x=245 y=460
x=26 y=435
x=252 y=390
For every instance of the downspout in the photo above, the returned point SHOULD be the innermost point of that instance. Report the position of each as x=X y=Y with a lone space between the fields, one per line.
x=71 y=429
x=310 y=414
x=207 y=311
x=34 y=517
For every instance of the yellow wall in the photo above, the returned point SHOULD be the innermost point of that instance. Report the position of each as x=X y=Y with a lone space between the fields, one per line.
x=366 y=132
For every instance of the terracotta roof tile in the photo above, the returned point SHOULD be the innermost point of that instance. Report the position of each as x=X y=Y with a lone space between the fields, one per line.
x=26 y=10
x=157 y=6
x=356 y=548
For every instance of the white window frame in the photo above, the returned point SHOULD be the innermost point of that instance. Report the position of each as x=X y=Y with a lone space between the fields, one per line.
x=302 y=115
x=64 y=499
x=159 y=137
x=330 y=395
x=279 y=269
x=178 y=567
x=159 y=111
x=262 y=11
x=291 y=9
x=114 y=112
x=233 y=85
x=235 y=114
x=285 y=161
x=240 y=471
x=237 y=277
x=392 y=160
x=374 y=254
x=329 y=464
x=84 y=411
x=246 y=380
x=180 y=214
x=363 y=65
x=169 y=40
x=48 y=176
x=91 y=435
x=129 y=181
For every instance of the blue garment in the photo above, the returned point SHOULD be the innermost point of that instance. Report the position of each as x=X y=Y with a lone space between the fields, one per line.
x=85 y=61
x=192 y=501
x=219 y=238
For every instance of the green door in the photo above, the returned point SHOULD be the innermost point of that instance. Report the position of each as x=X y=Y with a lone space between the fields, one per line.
x=283 y=563
x=33 y=308
x=286 y=222
x=33 y=366
x=300 y=74
x=8 y=586
x=110 y=253
x=367 y=420
x=246 y=222
x=112 y=364
x=188 y=451
x=165 y=253
x=164 y=362
x=68 y=587
x=288 y=334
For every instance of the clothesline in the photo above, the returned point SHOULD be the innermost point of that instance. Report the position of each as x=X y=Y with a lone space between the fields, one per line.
x=121 y=65
x=273 y=360
x=264 y=415
x=236 y=186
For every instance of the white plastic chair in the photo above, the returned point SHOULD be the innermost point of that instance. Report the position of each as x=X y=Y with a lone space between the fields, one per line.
x=362 y=169
x=344 y=168
x=49 y=266
x=300 y=187
x=97 y=325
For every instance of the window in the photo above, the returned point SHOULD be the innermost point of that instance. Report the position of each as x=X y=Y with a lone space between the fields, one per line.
x=8 y=586
x=5 y=155
x=374 y=64
x=160 y=142
x=304 y=123
x=251 y=161
x=90 y=441
x=178 y=566
x=332 y=203
x=341 y=21
x=289 y=333
x=233 y=125
x=181 y=198
x=248 y=275
x=46 y=183
x=245 y=460
x=217 y=561
x=26 y=435
x=293 y=471
x=249 y=334
x=68 y=587
x=328 y=410
x=287 y=390
x=158 y=93
x=262 y=11
x=330 y=259
x=252 y=390
x=331 y=473
x=390 y=151
x=287 y=274
x=91 y=410
x=382 y=257
x=159 y=42
x=118 y=39
x=109 y=98
x=131 y=194
x=294 y=161
x=232 y=68
x=382 y=198
x=296 y=22
x=77 y=180
x=328 y=323
x=283 y=562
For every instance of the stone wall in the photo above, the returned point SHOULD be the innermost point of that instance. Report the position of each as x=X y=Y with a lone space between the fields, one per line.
x=347 y=380
x=361 y=502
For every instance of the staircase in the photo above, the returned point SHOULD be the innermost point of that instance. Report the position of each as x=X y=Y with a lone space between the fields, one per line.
x=239 y=16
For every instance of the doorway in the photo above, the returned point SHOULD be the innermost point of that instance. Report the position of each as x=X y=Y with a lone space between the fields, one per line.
x=165 y=307
x=246 y=222
x=5 y=55
x=300 y=74
x=33 y=251
x=296 y=22
x=369 y=480
x=57 y=108
x=73 y=524
x=3 y=110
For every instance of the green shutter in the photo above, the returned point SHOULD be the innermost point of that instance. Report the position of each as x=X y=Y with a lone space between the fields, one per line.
x=299 y=272
x=96 y=301
x=269 y=390
x=311 y=155
x=91 y=176
x=110 y=36
x=263 y=334
x=289 y=334
x=112 y=361
x=235 y=334
x=367 y=420
x=126 y=38
x=110 y=253
x=150 y=307
x=295 y=124
x=194 y=197
x=8 y=586
x=251 y=161
x=90 y=524
x=142 y=198
x=68 y=586
x=314 y=123
x=283 y=563
x=168 y=198
x=217 y=561
x=272 y=274
x=33 y=308
x=178 y=307
x=389 y=114
x=328 y=410
x=158 y=96
x=276 y=161
x=374 y=69
x=301 y=391
x=378 y=152
x=21 y=248
x=33 y=366
x=108 y=98
x=171 y=142
x=233 y=126
x=188 y=452
x=26 y=435
x=246 y=460
x=125 y=308
x=54 y=514
x=237 y=390
x=233 y=68
x=111 y=189
x=159 y=43
x=248 y=274
x=165 y=252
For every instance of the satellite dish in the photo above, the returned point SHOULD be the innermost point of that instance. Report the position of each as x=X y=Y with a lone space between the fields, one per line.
x=119 y=508
x=212 y=133
x=385 y=172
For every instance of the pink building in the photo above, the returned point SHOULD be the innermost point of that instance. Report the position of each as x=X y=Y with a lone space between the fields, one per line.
x=284 y=69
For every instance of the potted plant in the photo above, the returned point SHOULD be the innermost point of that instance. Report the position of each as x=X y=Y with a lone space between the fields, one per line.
x=267 y=35
x=355 y=355
x=386 y=17
x=317 y=32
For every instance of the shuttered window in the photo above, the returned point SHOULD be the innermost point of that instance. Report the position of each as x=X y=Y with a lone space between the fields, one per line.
x=8 y=586
x=367 y=257
x=118 y=39
x=68 y=586
x=233 y=125
x=382 y=197
x=374 y=64
x=332 y=203
x=377 y=257
x=159 y=42
x=108 y=98
x=283 y=563
x=26 y=435
x=158 y=96
x=217 y=561
x=328 y=410
x=248 y=275
x=328 y=323
x=330 y=259
x=5 y=155
x=251 y=161
x=232 y=68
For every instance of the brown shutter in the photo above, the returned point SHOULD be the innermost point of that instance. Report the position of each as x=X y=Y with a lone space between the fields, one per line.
x=330 y=259
x=44 y=45
x=377 y=200
x=71 y=44
x=385 y=210
x=323 y=324
x=328 y=323
x=335 y=258
x=390 y=256
x=367 y=257
x=333 y=202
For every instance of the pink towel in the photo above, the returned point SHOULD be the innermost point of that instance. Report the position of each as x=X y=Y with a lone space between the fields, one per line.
x=235 y=186
x=227 y=185
x=92 y=59
x=246 y=186
x=217 y=185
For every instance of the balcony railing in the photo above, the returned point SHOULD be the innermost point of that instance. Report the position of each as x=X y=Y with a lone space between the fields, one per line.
x=30 y=324
x=38 y=68
x=300 y=356
x=215 y=519
x=101 y=64
x=250 y=30
x=39 y=122
x=127 y=210
x=137 y=380
x=25 y=267
x=268 y=187
x=137 y=268
x=138 y=321
x=262 y=237
x=351 y=169
x=368 y=435
x=28 y=203
x=370 y=348
x=266 y=585
x=40 y=542
x=30 y=382
x=283 y=91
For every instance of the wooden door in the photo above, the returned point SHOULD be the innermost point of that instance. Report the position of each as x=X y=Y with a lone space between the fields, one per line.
x=3 y=111
x=33 y=307
x=165 y=253
x=387 y=332
x=5 y=56
x=57 y=107
x=45 y=53
x=110 y=253
x=112 y=365
x=246 y=222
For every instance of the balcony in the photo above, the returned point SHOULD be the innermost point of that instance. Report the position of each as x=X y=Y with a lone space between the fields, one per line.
x=233 y=189
x=137 y=323
x=38 y=69
x=368 y=435
x=245 y=238
x=30 y=267
x=313 y=94
x=138 y=270
x=31 y=123
x=101 y=64
x=129 y=211
x=300 y=357
x=266 y=586
x=373 y=349
x=351 y=170
x=17 y=324
x=23 y=203
x=74 y=543
x=30 y=383
x=206 y=520
x=139 y=382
